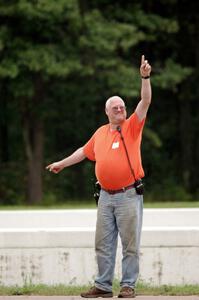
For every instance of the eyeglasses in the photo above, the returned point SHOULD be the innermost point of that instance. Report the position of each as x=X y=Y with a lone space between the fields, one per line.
x=119 y=107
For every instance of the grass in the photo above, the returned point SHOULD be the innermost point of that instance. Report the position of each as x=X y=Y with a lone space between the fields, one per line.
x=61 y=290
x=83 y=204
x=167 y=290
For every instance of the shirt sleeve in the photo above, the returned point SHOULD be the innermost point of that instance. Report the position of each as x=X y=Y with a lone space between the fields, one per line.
x=88 y=148
x=136 y=125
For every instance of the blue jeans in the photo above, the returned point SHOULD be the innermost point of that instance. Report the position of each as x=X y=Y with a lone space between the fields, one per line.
x=119 y=213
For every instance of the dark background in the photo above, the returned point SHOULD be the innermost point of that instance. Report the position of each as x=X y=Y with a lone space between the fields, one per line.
x=61 y=60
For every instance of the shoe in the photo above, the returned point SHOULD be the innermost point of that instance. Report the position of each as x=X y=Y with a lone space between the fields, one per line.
x=94 y=292
x=126 y=292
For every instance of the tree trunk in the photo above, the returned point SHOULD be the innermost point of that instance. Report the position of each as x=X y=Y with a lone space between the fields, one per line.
x=4 y=150
x=187 y=96
x=196 y=107
x=34 y=152
x=186 y=134
x=33 y=133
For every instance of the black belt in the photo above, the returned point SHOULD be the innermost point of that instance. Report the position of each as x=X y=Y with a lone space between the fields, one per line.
x=112 y=192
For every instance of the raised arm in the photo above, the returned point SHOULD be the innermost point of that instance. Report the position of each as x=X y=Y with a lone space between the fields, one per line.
x=143 y=105
x=73 y=159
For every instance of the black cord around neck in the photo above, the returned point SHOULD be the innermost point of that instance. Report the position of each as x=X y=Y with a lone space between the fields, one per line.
x=125 y=148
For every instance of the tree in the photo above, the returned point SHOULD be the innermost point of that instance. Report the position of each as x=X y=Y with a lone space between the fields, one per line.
x=33 y=41
x=46 y=42
x=60 y=60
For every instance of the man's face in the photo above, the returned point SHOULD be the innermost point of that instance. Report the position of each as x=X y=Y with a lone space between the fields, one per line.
x=116 y=111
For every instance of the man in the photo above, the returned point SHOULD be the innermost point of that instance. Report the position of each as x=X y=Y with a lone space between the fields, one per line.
x=115 y=148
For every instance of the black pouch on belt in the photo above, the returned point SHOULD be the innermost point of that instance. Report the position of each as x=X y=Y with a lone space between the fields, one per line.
x=139 y=187
x=97 y=189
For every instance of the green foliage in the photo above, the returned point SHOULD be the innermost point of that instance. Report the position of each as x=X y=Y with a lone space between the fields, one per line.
x=167 y=190
x=172 y=75
x=153 y=137
x=152 y=22
x=79 y=54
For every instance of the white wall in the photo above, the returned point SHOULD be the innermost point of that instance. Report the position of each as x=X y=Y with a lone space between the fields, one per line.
x=55 y=247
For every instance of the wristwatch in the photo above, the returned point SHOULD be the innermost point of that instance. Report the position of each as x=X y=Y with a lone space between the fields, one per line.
x=145 y=77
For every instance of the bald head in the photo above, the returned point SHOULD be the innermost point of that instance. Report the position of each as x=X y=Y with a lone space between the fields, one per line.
x=115 y=110
x=112 y=100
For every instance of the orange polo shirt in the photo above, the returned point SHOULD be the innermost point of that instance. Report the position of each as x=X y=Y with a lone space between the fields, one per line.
x=106 y=148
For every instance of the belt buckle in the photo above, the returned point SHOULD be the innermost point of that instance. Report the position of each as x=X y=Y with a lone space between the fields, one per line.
x=123 y=189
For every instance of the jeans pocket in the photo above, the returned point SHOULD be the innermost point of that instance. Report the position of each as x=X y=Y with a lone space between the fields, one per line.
x=130 y=194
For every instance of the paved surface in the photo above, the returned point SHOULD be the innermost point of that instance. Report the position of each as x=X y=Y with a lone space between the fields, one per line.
x=78 y=298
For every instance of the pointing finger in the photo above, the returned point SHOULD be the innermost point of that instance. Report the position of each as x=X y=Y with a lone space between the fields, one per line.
x=142 y=59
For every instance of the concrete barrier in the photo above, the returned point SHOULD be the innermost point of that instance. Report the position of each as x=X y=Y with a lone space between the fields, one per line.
x=57 y=246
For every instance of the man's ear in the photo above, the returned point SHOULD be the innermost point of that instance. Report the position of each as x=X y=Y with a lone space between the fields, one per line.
x=106 y=111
